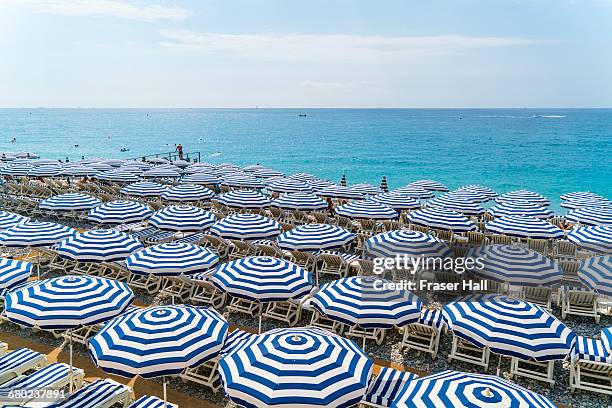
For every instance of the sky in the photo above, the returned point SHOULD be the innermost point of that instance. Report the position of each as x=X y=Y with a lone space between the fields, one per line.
x=315 y=53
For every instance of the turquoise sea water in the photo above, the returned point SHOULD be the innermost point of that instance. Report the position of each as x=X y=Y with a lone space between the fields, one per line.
x=550 y=151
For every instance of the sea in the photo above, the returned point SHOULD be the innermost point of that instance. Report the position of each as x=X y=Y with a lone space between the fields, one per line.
x=550 y=151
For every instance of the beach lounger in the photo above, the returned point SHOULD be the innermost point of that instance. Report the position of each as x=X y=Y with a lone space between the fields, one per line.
x=18 y=362
x=541 y=296
x=55 y=376
x=3 y=348
x=319 y=320
x=570 y=272
x=535 y=370
x=276 y=213
x=286 y=226
x=99 y=394
x=268 y=248
x=425 y=334
x=147 y=401
x=385 y=387
x=304 y=259
x=590 y=366
x=444 y=235
x=288 y=312
x=463 y=350
x=475 y=238
x=320 y=217
x=500 y=239
x=240 y=249
x=375 y=334
x=579 y=302
x=178 y=288
x=147 y=282
x=204 y=292
x=390 y=225
x=299 y=217
x=142 y=233
x=369 y=227
x=114 y=270
x=365 y=267
x=328 y=263
x=83 y=334
x=564 y=249
x=538 y=245
x=219 y=245
x=419 y=228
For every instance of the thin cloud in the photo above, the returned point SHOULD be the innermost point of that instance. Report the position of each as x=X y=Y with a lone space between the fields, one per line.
x=332 y=85
x=106 y=8
x=321 y=48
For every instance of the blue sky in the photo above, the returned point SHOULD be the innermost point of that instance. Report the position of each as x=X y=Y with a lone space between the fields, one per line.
x=285 y=53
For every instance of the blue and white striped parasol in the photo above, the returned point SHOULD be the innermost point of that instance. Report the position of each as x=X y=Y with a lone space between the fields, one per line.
x=591 y=216
x=516 y=266
x=509 y=327
x=45 y=171
x=366 y=189
x=594 y=238
x=35 y=233
x=581 y=195
x=404 y=242
x=524 y=227
x=520 y=207
x=143 y=189
x=119 y=212
x=67 y=302
x=299 y=201
x=474 y=191
x=98 y=246
x=306 y=177
x=267 y=173
x=242 y=181
x=523 y=195
x=367 y=303
x=79 y=171
x=441 y=218
x=466 y=390
x=397 y=201
x=288 y=185
x=340 y=192
x=416 y=192
x=430 y=185
x=187 y=192
x=595 y=202
x=246 y=227
x=368 y=209
x=319 y=185
x=161 y=172
x=314 y=237
x=172 y=259
x=247 y=199
x=203 y=178
x=253 y=167
x=596 y=273
x=13 y=272
x=182 y=218
x=70 y=202
x=16 y=169
x=9 y=219
x=263 y=279
x=118 y=176
x=296 y=368
x=159 y=341
x=456 y=202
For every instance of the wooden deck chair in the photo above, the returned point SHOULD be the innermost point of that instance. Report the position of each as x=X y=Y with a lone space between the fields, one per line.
x=360 y=242
x=375 y=334
x=304 y=259
x=476 y=238
x=330 y=264
x=299 y=217
x=178 y=288
x=276 y=213
x=463 y=350
x=487 y=217
x=390 y=225
x=320 y=217
x=344 y=222
x=445 y=235
x=448 y=278
x=539 y=295
x=419 y=228
x=205 y=293
x=535 y=370
x=148 y=282
x=368 y=227
x=500 y=239
x=114 y=270
x=86 y=268
x=538 y=245
x=570 y=272
x=206 y=374
x=564 y=249
x=240 y=249
x=286 y=226
x=18 y=362
x=579 y=302
x=365 y=267
x=386 y=387
x=590 y=366
x=287 y=312
x=557 y=221
x=424 y=335
x=3 y=348
x=219 y=245
x=84 y=333
x=265 y=249
x=321 y=321
x=239 y=305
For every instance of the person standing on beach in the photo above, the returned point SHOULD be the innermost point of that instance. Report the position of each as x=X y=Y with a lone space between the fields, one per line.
x=179 y=149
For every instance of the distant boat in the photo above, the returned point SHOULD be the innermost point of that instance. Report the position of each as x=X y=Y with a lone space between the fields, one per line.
x=302 y=115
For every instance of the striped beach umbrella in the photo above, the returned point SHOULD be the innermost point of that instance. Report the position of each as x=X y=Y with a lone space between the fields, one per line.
x=16 y=170
x=595 y=202
x=159 y=341
x=143 y=189
x=67 y=302
x=524 y=195
x=516 y=266
x=467 y=390
x=288 y=185
x=319 y=185
x=187 y=192
x=430 y=185
x=202 y=179
x=157 y=173
x=307 y=177
x=242 y=181
x=197 y=168
x=404 y=242
x=172 y=259
x=182 y=218
x=296 y=368
x=263 y=279
x=100 y=166
x=524 y=227
x=416 y=192
x=246 y=227
x=591 y=216
x=340 y=192
x=34 y=234
x=384 y=186
x=520 y=207
x=581 y=195
x=594 y=238
x=13 y=272
x=299 y=201
x=180 y=163
x=509 y=327
x=79 y=171
x=456 y=202
x=253 y=167
x=368 y=209
x=365 y=189
x=397 y=201
x=98 y=246
x=314 y=237
x=70 y=202
x=596 y=273
x=158 y=160
x=45 y=171
x=247 y=199
x=441 y=218
x=118 y=176
x=267 y=173
x=9 y=219
x=367 y=303
x=475 y=190
x=119 y=212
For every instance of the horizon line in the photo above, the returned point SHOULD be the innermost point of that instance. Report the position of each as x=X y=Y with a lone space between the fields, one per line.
x=304 y=107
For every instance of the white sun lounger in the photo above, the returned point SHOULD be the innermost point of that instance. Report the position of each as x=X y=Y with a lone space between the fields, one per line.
x=3 y=348
x=151 y=402
x=465 y=351
x=383 y=390
x=425 y=334
x=99 y=394
x=17 y=362
x=591 y=366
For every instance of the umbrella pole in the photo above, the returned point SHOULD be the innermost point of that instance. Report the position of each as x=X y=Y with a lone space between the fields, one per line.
x=364 y=340
x=165 y=393
x=260 y=317
x=499 y=365
x=70 y=359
